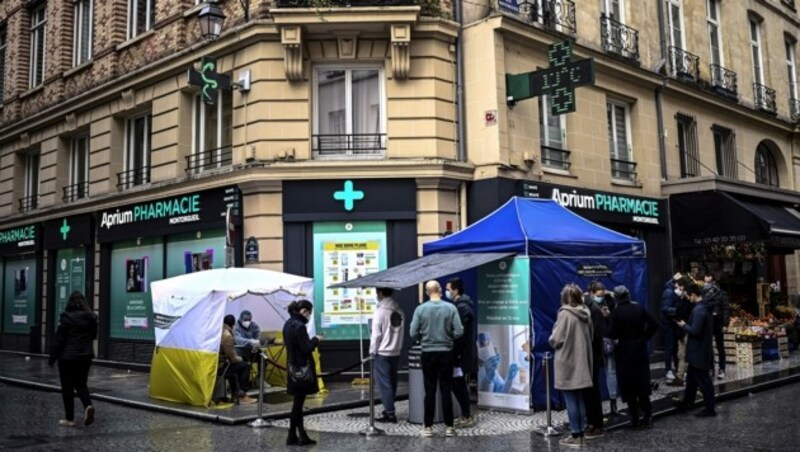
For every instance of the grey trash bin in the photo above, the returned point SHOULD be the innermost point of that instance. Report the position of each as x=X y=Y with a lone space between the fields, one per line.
x=416 y=392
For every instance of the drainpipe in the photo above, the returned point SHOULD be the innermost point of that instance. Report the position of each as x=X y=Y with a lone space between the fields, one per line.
x=662 y=145
x=460 y=131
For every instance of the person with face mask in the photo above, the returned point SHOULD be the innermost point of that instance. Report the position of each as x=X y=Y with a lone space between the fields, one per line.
x=670 y=298
x=595 y=300
x=247 y=337
x=718 y=305
x=463 y=349
x=699 y=354
x=682 y=312
x=239 y=370
x=385 y=346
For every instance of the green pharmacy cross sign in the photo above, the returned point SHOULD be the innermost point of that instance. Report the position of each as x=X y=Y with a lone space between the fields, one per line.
x=209 y=80
x=348 y=196
x=64 y=229
x=558 y=81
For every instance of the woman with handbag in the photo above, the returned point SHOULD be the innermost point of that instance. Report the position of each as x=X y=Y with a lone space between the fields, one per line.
x=301 y=369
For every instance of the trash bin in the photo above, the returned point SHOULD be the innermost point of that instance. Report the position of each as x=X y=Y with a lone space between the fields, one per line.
x=416 y=392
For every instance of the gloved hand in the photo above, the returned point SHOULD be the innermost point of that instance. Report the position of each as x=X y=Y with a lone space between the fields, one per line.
x=513 y=371
x=490 y=366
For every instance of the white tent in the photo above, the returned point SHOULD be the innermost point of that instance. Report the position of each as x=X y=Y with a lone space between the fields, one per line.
x=188 y=313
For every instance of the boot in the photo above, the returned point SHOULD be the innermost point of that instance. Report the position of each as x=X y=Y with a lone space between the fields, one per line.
x=647 y=420
x=292 y=439
x=613 y=403
x=304 y=440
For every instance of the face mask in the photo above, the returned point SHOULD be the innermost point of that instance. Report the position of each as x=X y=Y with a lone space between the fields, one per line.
x=678 y=292
x=448 y=294
x=707 y=285
x=246 y=324
x=598 y=299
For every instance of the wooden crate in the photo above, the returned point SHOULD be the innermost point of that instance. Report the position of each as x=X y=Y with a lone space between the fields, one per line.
x=748 y=353
x=783 y=346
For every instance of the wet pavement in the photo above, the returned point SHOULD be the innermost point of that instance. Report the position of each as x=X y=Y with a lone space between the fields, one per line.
x=764 y=421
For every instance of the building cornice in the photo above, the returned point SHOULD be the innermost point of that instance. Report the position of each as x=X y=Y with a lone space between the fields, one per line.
x=715 y=183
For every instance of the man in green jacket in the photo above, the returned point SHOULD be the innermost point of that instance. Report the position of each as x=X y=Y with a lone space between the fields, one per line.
x=436 y=326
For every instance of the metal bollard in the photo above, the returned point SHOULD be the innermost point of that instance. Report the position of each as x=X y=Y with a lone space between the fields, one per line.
x=371 y=430
x=548 y=430
x=260 y=422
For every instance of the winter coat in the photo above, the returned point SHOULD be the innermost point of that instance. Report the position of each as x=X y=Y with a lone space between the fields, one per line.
x=299 y=349
x=76 y=332
x=599 y=326
x=572 y=340
x=718 y=305
x=632 y=326
x=227 y=352
x=388 y=329
x=464 y=347
x=243 y=338
x=699 y=351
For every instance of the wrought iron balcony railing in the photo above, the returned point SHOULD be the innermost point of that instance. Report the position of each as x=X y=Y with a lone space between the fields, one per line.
x=345 y=3
x=684 y=65
x=623 y=170
x=360 y=144
x=133 y=177
x=555 y=158
x=724 y=81
x=208 y=160
x=28 y=203
x=794 y=109
x=553 y=15
x=77 y=191
x=765 y=98
x=619 y=39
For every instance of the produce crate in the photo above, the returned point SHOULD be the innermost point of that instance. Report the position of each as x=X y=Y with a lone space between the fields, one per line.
x=748 y=353
x=783 y=346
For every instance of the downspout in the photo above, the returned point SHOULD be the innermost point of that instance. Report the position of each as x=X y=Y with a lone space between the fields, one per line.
x=662 y=145
x=460 y=131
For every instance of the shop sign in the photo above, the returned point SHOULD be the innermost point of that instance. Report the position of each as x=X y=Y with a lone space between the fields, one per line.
x=209 y=80
x=207 y=209
x=251 y=251
x=67 y=232
x=600 y=206
x=594 y=271
x=19 y=239
x=349 y=200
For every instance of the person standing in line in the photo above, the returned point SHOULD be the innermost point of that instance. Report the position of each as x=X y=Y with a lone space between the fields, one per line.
x=73 y=349
x=463 y=350
x=572 y=340
x=385 y=346
x=592 y=398
x=683 y=310
x=632 y=326
x=436 y=326
x=720 y=312
x=299 y=348
x=670 y=299
x=699 y=354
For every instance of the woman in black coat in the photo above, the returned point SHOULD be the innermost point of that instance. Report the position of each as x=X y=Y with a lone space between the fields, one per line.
x=632 y=326
x=299 y=348
x=72 y=348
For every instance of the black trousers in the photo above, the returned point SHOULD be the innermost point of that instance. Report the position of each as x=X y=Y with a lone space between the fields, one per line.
x=239 y=376
x=74 y=374
x=296 y=417
x=461 y=391
x=699 y=378
x=593 y=401
x=639 y=405
x=719 y=339
x=437 y=368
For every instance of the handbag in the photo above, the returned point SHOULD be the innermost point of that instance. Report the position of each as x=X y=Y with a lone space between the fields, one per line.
x=608 y=346
x=301 y=377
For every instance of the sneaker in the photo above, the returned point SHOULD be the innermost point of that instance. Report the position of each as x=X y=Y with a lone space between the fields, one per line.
x=450 y=432
x=465 y=422
x=721 y=375
x=88 y=415
x=387 y=418
x=571 y=441
x=426 y=432
x=594 y=432
x=66 y=423
x=670 y=375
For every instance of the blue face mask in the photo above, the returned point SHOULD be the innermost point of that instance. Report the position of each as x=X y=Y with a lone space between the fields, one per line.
x=448 y=294
x=598 y=299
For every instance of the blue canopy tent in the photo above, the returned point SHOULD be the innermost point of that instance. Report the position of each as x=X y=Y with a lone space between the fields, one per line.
x=563 y=247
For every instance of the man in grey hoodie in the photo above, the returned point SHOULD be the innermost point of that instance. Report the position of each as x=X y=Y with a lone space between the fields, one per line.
x=385 y=346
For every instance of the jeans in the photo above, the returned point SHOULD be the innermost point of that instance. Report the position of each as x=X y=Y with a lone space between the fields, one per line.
x=74 y=374
x=386 y=368
x=437 y=367
x=719 y=339
x=576 y=411
x=699 y=378
x=611 y=376
x=670 y=346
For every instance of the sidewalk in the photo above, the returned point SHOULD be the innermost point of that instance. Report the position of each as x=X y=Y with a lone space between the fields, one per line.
x=344 y=410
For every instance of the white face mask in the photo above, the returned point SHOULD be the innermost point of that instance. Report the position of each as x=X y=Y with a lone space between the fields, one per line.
x=448 y=294
x=246 y=324
x=678 y=292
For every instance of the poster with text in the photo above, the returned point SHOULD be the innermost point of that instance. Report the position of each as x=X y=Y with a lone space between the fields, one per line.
x=503 y=337
x=195 y=252
x=19 y=296
x=133 y=268
x=70 y=276
x=345 y=251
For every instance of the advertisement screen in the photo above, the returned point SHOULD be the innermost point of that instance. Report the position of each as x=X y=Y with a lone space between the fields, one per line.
x=70 y=276
x=133 y=267
x=19 y=295
x=194 y=252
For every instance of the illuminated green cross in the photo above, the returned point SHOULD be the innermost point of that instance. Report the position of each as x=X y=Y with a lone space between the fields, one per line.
x=348 y=195
x=64 y=229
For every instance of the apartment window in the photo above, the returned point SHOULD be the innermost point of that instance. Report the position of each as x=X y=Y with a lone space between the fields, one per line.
x=2 y=61
x=615 y=10
x=78 y=169
x=212 y=132
x=552 y=137
x=714 y=32
x=141 y=16
x=349 y=112
x=32 y=167
x=622 y=164
x=38 y=42
x=137 y=151
x=725 y=151
x=82 y=39
x=790 y=68
x=755 y=49
x=687 y=146
x=675 y=22
x=766 y=167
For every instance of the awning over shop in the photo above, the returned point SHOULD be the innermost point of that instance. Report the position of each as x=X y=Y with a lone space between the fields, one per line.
x=715 y=217
x=423 y=269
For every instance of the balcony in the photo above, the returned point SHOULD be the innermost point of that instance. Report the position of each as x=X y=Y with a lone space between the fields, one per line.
x=75 y=192
x=356 y=144
x=620 y=39
x=133 y=177
x=794 y=109
x=28 y=203
x=555 y=158
x=724 y=82
x=684 y=65
x=764 y=97
x=345 y=3
x=552 y=15
x=208 y=160
x=623 y=170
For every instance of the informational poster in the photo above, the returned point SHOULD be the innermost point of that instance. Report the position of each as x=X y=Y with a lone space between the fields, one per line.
x=19 y=295
x=194 y=252
x=345 y=251
x=70 y=276
x=134 y=265
x=504 y=335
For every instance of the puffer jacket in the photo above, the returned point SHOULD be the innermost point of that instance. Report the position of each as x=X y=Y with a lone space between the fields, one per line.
x=76 y=332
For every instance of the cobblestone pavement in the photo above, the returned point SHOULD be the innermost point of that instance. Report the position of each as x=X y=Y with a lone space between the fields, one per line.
x=765 y=421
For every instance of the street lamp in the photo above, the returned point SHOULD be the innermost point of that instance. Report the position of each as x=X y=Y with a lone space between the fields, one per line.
x=211 y=19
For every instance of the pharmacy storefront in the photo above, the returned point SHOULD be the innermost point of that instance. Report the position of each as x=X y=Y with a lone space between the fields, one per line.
x=20 y=248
